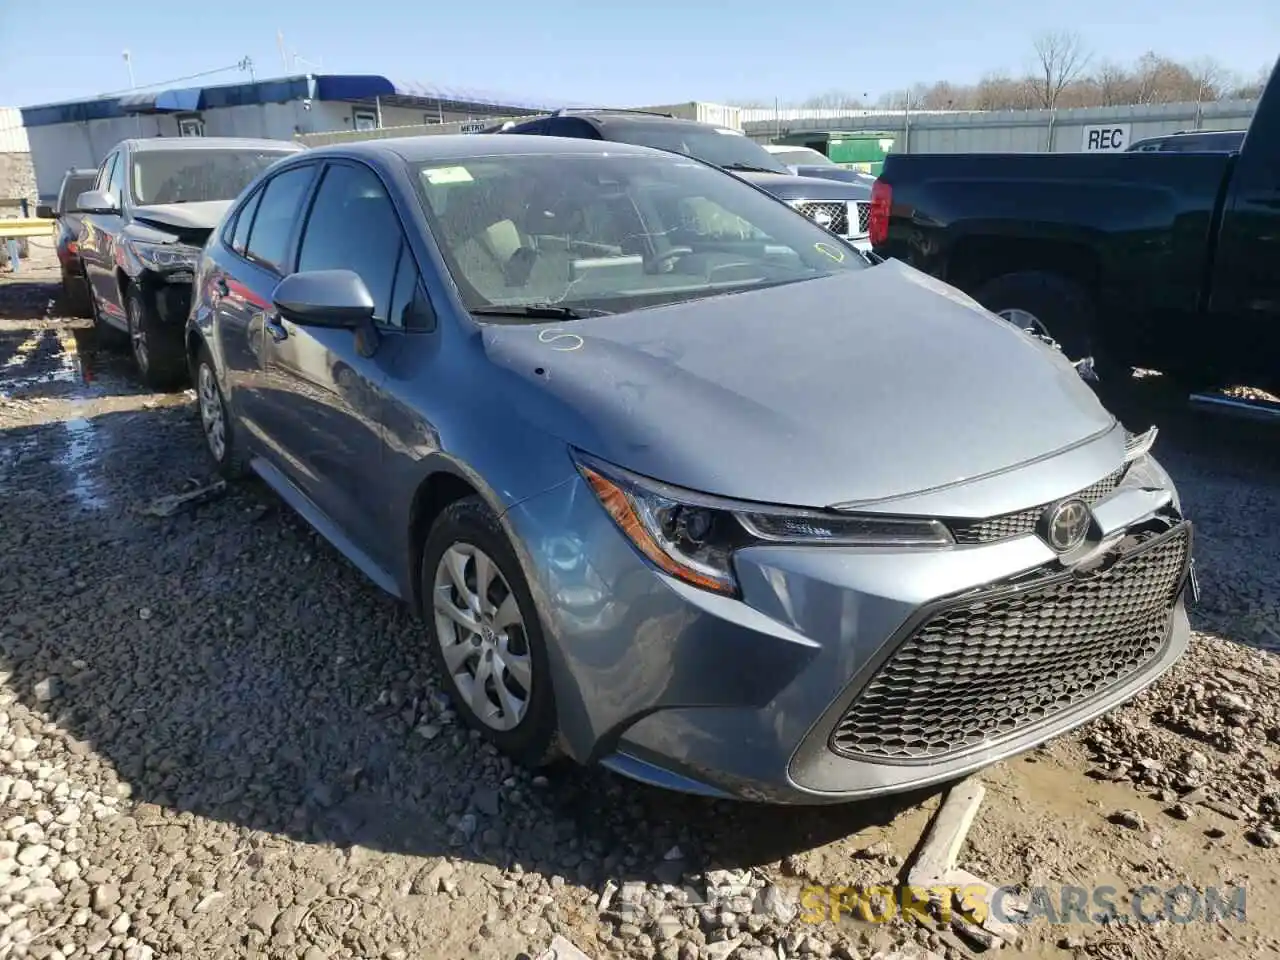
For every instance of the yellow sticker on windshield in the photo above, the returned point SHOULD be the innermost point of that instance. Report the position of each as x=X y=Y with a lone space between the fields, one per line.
x=437 y=175
x=834 y=253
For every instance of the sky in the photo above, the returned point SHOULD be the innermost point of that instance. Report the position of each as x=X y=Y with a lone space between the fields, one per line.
x=648 y=52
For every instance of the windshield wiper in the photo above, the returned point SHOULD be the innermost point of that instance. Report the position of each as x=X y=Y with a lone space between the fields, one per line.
x=748 y=168
x=538 y=311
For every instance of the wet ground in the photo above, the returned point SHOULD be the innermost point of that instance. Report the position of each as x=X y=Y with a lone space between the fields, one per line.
x=252 y=758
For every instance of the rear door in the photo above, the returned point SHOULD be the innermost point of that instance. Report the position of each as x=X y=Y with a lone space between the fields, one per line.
x=324 y=398
x=1245 y=291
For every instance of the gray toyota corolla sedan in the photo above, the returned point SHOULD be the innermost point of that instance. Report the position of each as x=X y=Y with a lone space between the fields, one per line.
x=679 y=482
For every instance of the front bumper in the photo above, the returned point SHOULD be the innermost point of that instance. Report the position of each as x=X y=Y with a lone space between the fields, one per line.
x=746 y=697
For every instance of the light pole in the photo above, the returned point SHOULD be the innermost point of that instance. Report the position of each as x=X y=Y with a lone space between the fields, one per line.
x=128 y=62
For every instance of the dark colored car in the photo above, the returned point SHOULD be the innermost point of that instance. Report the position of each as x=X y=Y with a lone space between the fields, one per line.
x=1191 y=141
x=678 y=482
x=842 y=208
x=66 y=238
x=1162 y=260
x=148 y=213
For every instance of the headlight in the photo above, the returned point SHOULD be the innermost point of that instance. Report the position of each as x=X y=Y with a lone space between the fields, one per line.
x=165 y=256
x=693 y=536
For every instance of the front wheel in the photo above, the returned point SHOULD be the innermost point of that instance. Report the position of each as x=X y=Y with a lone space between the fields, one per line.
x=484 y=633
x=157 y=346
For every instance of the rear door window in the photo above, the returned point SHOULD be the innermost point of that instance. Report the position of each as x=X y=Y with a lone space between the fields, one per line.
x=276 y=216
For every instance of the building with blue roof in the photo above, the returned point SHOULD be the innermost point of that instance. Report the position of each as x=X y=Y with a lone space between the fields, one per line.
x=81 y=133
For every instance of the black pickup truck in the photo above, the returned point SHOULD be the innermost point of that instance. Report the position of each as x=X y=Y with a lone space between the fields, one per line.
x=1164 y=261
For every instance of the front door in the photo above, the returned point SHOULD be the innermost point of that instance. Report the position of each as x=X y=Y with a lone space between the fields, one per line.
x=98 y=234
x=243 y=278
x=325 y=386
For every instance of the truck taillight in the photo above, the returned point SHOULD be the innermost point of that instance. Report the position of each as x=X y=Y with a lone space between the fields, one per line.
x=878 y=221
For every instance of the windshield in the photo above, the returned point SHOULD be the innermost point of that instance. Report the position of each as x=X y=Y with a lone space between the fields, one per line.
x=191 y=176
x=710 y=144
x=614 y=233
x=803 y=157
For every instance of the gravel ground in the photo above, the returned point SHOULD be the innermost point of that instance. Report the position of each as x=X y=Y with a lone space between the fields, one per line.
x=218 y=740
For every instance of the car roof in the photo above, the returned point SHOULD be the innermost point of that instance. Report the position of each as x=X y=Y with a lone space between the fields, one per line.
x=209 y=143
x=467 y=145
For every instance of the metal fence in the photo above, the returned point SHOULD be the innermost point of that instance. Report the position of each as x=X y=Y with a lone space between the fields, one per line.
x=1020 y=131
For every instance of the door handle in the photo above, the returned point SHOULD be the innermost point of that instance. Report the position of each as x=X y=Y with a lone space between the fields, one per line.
x=274 y=328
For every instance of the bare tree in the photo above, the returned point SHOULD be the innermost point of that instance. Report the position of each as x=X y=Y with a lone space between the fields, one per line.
x=1112 y=85
x=1062 y=79
x=1060 y=58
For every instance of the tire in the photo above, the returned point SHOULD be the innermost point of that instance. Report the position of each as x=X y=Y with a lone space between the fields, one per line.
x=1055 y=306
x=75 y=296
x=107 y=336
x=228 y=457
x=156 y=346
x=468 y=525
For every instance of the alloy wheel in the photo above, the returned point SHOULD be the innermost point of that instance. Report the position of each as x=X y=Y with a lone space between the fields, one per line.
x=138 y=336
x=1026 y=320
x=482 y=636
x=212 y=416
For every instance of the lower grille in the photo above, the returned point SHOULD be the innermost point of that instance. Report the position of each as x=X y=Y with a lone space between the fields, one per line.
x=986 y=666
x=1023 y=522
x=833 y=215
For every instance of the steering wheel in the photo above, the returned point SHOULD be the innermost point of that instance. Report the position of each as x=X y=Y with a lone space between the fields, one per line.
x=659 y=261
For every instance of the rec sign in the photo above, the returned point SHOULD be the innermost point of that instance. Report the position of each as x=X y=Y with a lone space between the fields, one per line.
x=1105 y=137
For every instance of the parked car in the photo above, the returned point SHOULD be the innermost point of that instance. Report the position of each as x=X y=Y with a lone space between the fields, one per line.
x=1191 y=141
x=152 y=204
x=678 y=483
x=66 y=238
x=808 y=162
x=1161 y=260
x=842 y=208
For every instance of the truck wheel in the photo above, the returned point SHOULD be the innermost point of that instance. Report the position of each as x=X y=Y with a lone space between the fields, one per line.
x=1047 y=304
x=157 y=346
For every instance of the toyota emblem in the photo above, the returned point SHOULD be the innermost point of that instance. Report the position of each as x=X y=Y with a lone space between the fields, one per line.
x=1067 y=524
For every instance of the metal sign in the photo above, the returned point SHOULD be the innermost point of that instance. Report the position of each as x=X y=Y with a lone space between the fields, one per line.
x=472 y=126
x=1105 y=137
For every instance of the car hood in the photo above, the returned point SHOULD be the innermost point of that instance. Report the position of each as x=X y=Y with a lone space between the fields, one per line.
x=183 y=217
x=842 y=174
x=787 y=187
x=858 y=387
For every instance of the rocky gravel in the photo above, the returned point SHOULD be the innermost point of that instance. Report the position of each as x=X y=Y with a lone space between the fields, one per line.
x=218 y=740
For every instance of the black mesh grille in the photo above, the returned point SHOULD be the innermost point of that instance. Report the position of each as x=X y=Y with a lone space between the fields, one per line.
x=991 y=664
x=833 y=215
x=1024 y=521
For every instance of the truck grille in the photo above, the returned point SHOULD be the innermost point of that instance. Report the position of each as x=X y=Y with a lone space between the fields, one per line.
x=864 y=217
x=833 y=215
x=991 y=664
x=1023 y=522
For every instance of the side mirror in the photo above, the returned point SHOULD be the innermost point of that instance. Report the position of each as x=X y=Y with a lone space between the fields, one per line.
x=324 y=298
x=97 y=201
x=44 y=211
